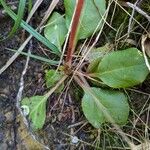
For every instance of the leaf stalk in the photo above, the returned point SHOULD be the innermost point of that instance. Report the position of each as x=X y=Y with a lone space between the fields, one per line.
x=73 y=33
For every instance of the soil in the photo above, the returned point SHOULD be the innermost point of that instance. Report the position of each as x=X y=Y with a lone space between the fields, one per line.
x=14 y=135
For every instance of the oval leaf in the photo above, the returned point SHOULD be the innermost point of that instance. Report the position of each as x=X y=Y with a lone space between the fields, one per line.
x=37 y=110
x=56 y=30
x=97 y=104
x=122 y=69
x=92 y=13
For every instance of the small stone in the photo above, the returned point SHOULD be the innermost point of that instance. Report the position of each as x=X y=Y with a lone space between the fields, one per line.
x=75 y=140
x=25 y=110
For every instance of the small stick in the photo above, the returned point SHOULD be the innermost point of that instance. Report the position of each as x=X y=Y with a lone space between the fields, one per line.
x=133 y=6
x=77 y=124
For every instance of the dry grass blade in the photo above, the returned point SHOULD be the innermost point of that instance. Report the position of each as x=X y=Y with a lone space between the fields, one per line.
x=35 y=7
x=56 y=86
x=49 y=11
x=130 y=16
x=144 y=37
x=139 y=10
x=11 y=60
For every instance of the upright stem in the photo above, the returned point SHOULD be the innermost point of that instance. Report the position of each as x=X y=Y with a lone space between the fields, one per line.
x=74 y=27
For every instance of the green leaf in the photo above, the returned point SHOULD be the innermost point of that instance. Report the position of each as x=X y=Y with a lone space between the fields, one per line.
x=56 y=30
x=37 y=110
x=92 y=13
x=122 y=69
x=52 y=77
x=100 y=105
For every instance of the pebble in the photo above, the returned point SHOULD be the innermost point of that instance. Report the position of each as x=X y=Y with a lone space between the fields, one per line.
x=25 y=110
x=74 y=140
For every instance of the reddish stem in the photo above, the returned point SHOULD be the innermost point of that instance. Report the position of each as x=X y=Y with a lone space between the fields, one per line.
x=72 y=41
